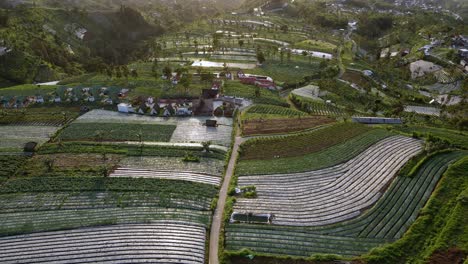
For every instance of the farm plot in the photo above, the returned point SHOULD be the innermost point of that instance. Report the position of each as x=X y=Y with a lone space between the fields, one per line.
x=185 y=129
x=333 y=194
x=9 y=164
x=423 y=110
x=53 y=203
x=292 y=242
x=282 y=125
x=192 y=130
x=105 y=116
x=301 y=143
x=164 y=174
x=13 y=138
x=386 y=221
x=206 y=165
x=457 y=138
x=270 y=111
x=309 y=91
x=315 y=107
x=317 y=160
x=117 y=132
x=69 y=164
x=159 y=241
x=43 y=116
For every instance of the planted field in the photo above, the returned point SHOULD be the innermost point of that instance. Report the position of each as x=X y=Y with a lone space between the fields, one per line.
x=9 y=164
x=315 y=107
x=164 y=174
x=192 y=130
x=282 y=125
x=206 y=165
x=13 y=138
x=386 y=221
x=326 y=158
x=159 y=241
x=117 y=132
x=270 y=111
x=423 y=110
x=49 y=116
x=302 y=143
x=187 y=129
x=133 y=149
x=356 y=78
x=68 y=164
x=53 y=203
x=237 y=89
x=457 y=138
x=333 y=194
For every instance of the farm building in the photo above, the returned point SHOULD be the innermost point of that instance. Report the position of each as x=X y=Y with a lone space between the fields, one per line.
x=463 y=53
x=377 y=120
x=257 y=80
x=125 y=108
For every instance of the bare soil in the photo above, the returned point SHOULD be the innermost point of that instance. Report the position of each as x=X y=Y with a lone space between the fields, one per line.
x=450 y=256
x=281 y=126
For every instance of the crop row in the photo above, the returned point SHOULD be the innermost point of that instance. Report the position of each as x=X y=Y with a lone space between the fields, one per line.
x=57 y=184
x=293 y=242
x=117 y=132
x=129 y=149
x=24 y=202
x=315 y=107
x=302 y=143
x=355 y=186
x=273 y=110
x=386 y=221
x=9 y=164
x=161 y=174
x=39 y=221
x=317 y=160
x=160 y=241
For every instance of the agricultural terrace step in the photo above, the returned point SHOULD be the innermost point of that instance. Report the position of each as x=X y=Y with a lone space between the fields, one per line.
x=164 y=174
x=14 y=223
x=168 y=144
x=295 y=243
x=167 y=241
x=90 y=200
x=401 y=202
x=355 y=189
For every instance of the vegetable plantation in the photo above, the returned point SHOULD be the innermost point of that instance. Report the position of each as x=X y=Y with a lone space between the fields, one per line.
x=117 y=132
x=13 y=138
x=327 y=157
x=387 y=221
x=325 y=196
x=301 y=143
x=9 y=164
x=52 y=203
x=315 y=107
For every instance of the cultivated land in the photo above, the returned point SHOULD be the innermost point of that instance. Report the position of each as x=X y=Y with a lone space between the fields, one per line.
x=332 y=194
x=286 y=176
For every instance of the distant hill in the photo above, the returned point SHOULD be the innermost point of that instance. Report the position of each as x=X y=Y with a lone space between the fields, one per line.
x=43 y=44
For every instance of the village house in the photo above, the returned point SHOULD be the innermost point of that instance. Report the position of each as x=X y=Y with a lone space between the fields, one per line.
x=463 y=53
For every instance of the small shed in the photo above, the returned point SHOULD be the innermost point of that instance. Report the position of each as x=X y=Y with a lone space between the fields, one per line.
x=211 y=123
x=377 y=120
x=30 y=146
x=125 y=108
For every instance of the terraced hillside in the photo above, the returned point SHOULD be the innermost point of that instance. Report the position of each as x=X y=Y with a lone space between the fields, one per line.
x=158 y=241
x=385 y=222
x=55 y=203
x=329 y=195
x=332 y=153
x=165 y=174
